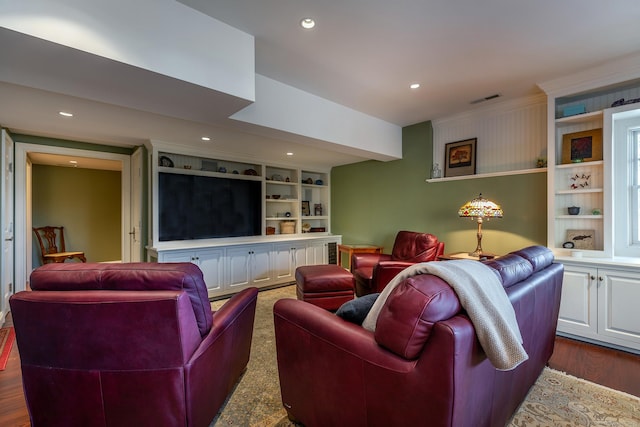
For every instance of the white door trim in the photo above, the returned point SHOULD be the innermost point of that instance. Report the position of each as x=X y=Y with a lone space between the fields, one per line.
x=23 y=241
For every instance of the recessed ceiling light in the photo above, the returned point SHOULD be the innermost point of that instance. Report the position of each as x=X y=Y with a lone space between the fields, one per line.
x=414 y=85
x=206 y=138
x=66 y=114
x=308 y=23
x=289 y=154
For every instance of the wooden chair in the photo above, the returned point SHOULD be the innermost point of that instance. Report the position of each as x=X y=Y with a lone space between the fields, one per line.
x=52 y=247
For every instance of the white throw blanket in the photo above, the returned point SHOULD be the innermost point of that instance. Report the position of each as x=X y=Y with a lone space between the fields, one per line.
x=481 y=294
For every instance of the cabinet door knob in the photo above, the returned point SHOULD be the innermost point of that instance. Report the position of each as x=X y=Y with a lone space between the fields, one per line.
x=600 y=278
x=593 y=277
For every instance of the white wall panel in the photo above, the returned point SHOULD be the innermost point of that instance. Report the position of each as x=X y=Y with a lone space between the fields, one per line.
x=511 y=135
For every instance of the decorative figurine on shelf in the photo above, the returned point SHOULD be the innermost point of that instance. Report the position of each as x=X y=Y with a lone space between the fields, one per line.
x=317 y=209
x=541 y=162
x=436 y=172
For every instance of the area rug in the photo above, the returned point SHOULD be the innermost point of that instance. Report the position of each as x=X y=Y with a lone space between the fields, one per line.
x=556 y=400
x=7 y=336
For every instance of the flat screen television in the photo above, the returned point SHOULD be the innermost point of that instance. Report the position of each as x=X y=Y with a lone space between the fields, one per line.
x=203 y=207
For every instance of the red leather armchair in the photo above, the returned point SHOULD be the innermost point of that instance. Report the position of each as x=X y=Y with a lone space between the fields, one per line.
x=372 y=272
x=128 y=345
x=423 y=365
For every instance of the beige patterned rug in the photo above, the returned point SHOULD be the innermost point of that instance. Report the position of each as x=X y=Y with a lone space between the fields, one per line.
x=556 y=400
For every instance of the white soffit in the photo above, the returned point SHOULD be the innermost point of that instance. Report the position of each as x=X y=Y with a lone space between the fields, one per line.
x=162 y=36
x=292 y=110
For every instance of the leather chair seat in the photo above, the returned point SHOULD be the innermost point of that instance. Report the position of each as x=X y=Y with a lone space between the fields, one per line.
x=372 y=272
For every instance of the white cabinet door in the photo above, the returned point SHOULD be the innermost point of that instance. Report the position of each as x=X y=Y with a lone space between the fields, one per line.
x=210 y=262
x=261 y=273
x=248 y=266
x=286 y=258
x=618 y=298
x=578 y=306
x=238 y=268
x=317 y=253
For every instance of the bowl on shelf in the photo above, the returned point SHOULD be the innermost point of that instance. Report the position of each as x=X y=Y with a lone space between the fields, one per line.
x=275 y=196
x=573 y=210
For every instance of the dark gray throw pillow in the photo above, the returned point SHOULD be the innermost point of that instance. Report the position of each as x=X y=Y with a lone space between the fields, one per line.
x=356 y=310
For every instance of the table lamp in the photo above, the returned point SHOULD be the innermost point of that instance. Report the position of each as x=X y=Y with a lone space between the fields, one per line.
x=478 y=209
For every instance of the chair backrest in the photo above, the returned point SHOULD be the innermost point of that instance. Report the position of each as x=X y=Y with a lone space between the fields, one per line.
x=415 y=247
x=135 y=276
x=51 y=239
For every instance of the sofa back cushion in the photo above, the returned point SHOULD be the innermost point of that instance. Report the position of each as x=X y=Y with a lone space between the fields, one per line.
x=411 y=310
x=510 y=269
x=518 y=265
x=129 y=276
x=414 y=247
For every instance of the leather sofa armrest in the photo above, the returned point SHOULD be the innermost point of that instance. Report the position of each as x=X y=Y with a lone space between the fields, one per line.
x=233 y=317
x=384 y=271
x=294 y=317
x=219 y=362
x=367 y=260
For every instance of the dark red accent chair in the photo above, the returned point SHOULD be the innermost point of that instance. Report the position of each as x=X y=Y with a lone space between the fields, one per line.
x=423 y=365
x=372 y=272
x=133 y=344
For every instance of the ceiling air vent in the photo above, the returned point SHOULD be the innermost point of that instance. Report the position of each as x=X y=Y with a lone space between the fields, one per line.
x=486 y=98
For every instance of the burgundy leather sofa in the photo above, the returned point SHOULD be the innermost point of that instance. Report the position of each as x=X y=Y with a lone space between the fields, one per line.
x=372 y=272
x=128 y=345
x=333 y=372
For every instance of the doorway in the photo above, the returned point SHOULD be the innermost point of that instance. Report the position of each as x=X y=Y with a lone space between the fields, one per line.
x=24 y=250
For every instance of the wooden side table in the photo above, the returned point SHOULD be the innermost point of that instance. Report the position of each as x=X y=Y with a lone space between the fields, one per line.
x=465 y=255
x=356 y=249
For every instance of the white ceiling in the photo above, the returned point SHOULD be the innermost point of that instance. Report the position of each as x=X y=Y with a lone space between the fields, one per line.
x=362 y=54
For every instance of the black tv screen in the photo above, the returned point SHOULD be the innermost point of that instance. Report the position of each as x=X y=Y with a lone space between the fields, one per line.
x=203 y=207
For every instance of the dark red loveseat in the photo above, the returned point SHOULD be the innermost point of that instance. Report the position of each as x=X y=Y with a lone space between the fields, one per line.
x=333 y=372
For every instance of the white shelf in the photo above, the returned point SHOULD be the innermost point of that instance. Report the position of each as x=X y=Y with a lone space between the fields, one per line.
x=487 y=175
x=579 y=217
x=579 y=118
x=580 y=164
x=567 y=192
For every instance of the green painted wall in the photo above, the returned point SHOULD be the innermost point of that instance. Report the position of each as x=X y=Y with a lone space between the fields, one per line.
x=86 y=202
x=371 y=201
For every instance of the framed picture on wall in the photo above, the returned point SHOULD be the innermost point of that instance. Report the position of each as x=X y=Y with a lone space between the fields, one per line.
x=585 y=146
x=460 y=157
x=581 y=239
x=306 y=209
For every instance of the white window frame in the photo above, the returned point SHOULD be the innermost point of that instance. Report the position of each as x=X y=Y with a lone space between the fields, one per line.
x=626 y=174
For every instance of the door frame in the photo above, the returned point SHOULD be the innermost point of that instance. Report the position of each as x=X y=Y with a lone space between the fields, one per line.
x=7 y=222
x=23 y=206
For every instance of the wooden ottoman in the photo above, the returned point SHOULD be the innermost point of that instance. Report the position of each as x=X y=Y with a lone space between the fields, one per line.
x=328 y=285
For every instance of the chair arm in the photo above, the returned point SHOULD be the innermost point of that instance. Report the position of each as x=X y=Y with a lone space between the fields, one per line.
x=385 y=271
x=367 y=260
x=294 y=318
x=222 y=357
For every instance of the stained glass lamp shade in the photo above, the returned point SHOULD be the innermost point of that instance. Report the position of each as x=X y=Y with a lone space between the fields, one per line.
x=478 y=209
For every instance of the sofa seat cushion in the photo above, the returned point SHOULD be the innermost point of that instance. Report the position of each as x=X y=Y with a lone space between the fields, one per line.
x=129 y=276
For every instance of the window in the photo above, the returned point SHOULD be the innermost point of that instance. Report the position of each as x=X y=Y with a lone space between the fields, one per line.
x=634 y=186
x=626 y=182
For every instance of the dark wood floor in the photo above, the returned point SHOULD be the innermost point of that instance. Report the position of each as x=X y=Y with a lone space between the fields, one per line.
x=611 y=368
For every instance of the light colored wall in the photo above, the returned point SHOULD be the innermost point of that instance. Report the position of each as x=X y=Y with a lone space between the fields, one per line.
x=373 y=200
x=86 y=202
